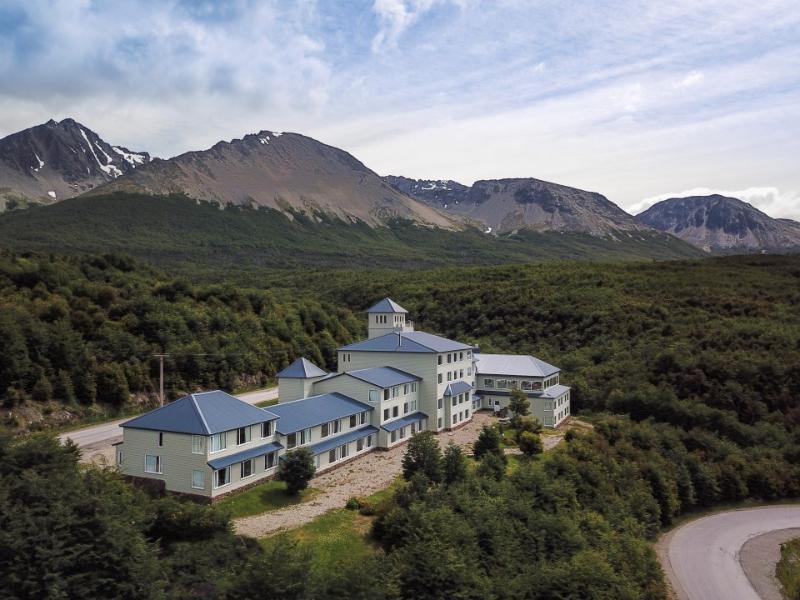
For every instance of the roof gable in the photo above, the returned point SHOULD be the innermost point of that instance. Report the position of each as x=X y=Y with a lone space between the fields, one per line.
x=302 y=368
x=383 y=377
x=387 y=305
x=204 y=413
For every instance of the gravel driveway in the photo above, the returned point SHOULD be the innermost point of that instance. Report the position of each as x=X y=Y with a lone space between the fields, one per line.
x=362 y=477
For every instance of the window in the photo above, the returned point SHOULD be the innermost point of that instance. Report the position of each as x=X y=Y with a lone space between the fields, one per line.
x=332 y=456
x=291 y=440
x=440 y=404
x=469 y=371
x=502 y=383
x=198 y=479
x=455 y=419
x=222 y=477
x=455 y=400
x=152 y=463
x=160 y=439
x=421 y=426
x=242 y=435
x=395 y=411
x=488 y=383
x=359 y=444
x=440 y=377
x=413 y=386
x=460 y=356
x=394 y=436
x=439 y=423
x=218 y=442
x=536 y=386
x=269 y=460
x=413 y=429
x=386 y=394
x=247 y=468
x=374 y=395
x=439 y=359
x=461 y=373
x=402 y=432
x=385 y=414
x=266 y=429
x=395 y=391
x=344 y=451
x=526 y=385
x=119 y=457
x=405 y=389
x=198 y=444
x=363 y=417
x=405 y=408
x=449 y=376
x=369 y=441
x=353 y=421
x=324 y=431
x=513 y=384
x=337 y=426
x=449 y=358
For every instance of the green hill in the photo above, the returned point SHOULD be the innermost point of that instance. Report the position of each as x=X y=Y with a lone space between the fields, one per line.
x=183 y=234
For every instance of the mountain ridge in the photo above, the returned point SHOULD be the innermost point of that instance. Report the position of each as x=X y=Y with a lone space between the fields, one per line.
x=57 y=160
x=717 y=223
x=512 y=204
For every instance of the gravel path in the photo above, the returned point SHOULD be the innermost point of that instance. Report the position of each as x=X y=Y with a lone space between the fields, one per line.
x=362 y=477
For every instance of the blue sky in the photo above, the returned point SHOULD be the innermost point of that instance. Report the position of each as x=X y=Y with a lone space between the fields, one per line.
x=634 y=99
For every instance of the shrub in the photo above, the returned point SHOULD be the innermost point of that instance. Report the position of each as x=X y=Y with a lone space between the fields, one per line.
x=296 y=468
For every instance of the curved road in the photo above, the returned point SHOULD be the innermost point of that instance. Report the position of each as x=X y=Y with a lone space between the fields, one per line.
x=98 y=437
x=702 y=559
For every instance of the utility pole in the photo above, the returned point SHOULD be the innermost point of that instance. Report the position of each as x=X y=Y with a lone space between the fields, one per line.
x=161 y=375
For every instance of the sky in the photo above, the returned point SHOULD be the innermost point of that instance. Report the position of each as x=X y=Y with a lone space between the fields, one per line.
x=637 y=100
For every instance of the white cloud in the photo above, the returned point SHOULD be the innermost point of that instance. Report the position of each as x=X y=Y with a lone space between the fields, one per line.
x=692 y=78
x=396 y=16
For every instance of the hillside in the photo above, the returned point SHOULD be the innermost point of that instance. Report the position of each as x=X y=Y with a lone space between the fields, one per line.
x=58 y=160
x=287 y=172
x=505 y=205
x=194 y=238
x=721 y=224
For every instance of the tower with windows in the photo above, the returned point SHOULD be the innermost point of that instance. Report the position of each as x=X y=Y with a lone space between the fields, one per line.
x=387 y=317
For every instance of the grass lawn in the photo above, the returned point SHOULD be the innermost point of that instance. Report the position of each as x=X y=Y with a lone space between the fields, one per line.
x=788 y=569
x=270 y=495
x=335 y=536
x=267 y=403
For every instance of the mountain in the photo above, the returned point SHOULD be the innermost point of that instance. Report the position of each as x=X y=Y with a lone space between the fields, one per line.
x=197 y=238
x=505 y=205
x=288 y=172
x=58 y=160
x=718 y=223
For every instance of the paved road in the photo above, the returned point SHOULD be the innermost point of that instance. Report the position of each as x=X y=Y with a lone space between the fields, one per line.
x=96 y=437
x=702 y=558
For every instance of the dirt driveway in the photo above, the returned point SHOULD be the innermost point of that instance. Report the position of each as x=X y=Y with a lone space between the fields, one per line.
x=367 y=475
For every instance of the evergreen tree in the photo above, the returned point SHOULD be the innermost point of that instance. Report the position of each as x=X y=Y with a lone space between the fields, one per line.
x=488 y=442
x=423 y=455
x=530 y=443
x=296 y=468
x=519 y=405
x=455 y=468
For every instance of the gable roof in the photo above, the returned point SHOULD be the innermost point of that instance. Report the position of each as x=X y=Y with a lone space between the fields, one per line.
x=410 y=341
x=456 y=388
x=302 y=368
x=383 y=377
x=315 y=410
x=204 y=413
x=513 y=364
x=387 y=305
x=555 y=391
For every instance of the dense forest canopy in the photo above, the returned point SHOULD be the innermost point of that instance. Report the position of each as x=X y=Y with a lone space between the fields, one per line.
x=84 y=331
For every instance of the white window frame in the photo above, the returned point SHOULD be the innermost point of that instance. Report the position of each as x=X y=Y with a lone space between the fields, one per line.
x=227 y=477
x=202 y=486
x=159 y=464
x=248 y=435
x=270 y=431
x=252 y=469
x=198 y=444
x=223 y=438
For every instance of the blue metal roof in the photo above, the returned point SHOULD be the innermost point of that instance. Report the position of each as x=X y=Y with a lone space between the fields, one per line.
x=510 y=365
x=232 y=459
x=339 y=440
x=555 y=391
x=302 y=369
x=383 y=377
x=301 y=414
x=403 y=421
x=411 y=341
x=387 y=305
x=204 y=413
x=456 y=388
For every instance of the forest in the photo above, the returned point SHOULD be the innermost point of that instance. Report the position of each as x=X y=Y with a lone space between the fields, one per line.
x=689 y=371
